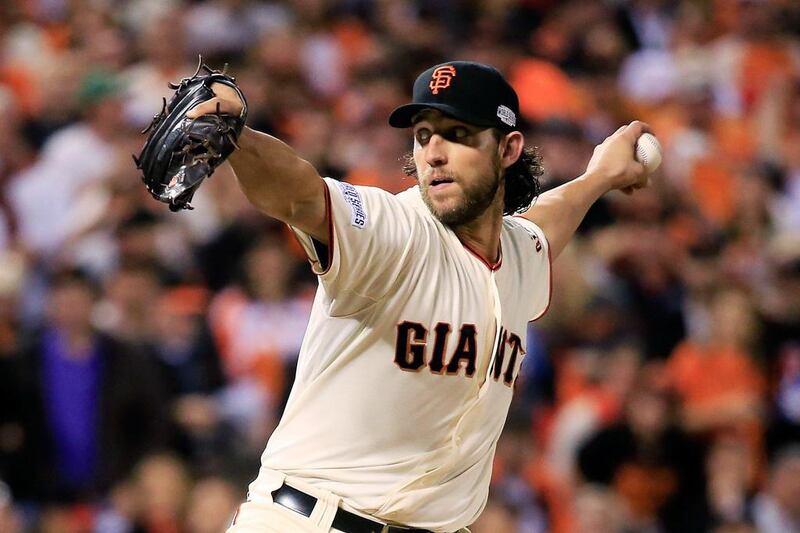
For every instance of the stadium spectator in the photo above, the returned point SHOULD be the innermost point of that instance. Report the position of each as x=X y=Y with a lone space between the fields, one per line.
x=84 y=421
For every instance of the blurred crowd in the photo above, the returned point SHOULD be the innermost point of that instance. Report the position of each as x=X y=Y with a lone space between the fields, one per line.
x=146 y=355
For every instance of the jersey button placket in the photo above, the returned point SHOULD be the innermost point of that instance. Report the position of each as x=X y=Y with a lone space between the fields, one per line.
x=485 y=367
x=498 y=321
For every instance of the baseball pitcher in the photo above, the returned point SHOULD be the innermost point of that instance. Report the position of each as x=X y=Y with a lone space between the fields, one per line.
x=417 y=331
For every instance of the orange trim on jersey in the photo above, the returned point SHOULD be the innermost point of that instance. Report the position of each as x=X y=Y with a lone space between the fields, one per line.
x=491 y=266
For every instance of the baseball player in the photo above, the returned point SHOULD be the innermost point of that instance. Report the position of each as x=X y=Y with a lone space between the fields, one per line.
x=416 y=335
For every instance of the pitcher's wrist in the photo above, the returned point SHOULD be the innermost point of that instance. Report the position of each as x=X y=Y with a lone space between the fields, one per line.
x=599 y=181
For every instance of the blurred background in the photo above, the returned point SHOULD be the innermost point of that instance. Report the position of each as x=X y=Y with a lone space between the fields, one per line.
x=145 y=356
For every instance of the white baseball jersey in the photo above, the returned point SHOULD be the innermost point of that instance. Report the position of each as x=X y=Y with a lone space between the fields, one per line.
x=408 y=365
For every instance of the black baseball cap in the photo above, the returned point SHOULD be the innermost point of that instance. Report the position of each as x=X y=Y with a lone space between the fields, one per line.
x=471 y=92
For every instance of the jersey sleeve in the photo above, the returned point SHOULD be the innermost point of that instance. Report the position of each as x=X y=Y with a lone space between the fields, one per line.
x=370 y=233
x=538 y=268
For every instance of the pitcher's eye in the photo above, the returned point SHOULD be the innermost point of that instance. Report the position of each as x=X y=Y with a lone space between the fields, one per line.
x=457 y=134
x=423 y=135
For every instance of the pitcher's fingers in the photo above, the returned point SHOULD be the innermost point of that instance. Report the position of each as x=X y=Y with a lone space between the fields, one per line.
x=635 y=129
x=209 y=107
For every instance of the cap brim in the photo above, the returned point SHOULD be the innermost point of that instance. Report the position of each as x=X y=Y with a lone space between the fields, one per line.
x=403 y=116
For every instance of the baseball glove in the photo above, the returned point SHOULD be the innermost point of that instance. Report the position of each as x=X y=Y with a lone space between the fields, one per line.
x=181 y=152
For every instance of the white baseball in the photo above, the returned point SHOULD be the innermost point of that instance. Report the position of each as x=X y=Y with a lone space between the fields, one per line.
x=648 y=152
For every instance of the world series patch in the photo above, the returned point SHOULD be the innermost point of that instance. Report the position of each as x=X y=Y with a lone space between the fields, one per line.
x=358 y=215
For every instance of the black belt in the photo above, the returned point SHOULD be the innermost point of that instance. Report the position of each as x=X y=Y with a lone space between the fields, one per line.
x=303 y=503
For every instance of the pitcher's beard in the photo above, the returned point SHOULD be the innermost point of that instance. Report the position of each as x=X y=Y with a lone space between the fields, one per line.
x=476 y=200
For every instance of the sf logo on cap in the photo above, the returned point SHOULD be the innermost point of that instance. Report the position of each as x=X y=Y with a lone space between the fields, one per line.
x=441 y=77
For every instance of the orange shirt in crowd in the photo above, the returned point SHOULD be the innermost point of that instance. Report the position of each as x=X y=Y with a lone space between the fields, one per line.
x=545 y=91
x=21 y=84
x=763 y=64
x=720 y=380
x=712 y=189
x=705 y=375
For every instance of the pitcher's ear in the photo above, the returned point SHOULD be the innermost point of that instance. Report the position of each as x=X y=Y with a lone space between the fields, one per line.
x=511 y=145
